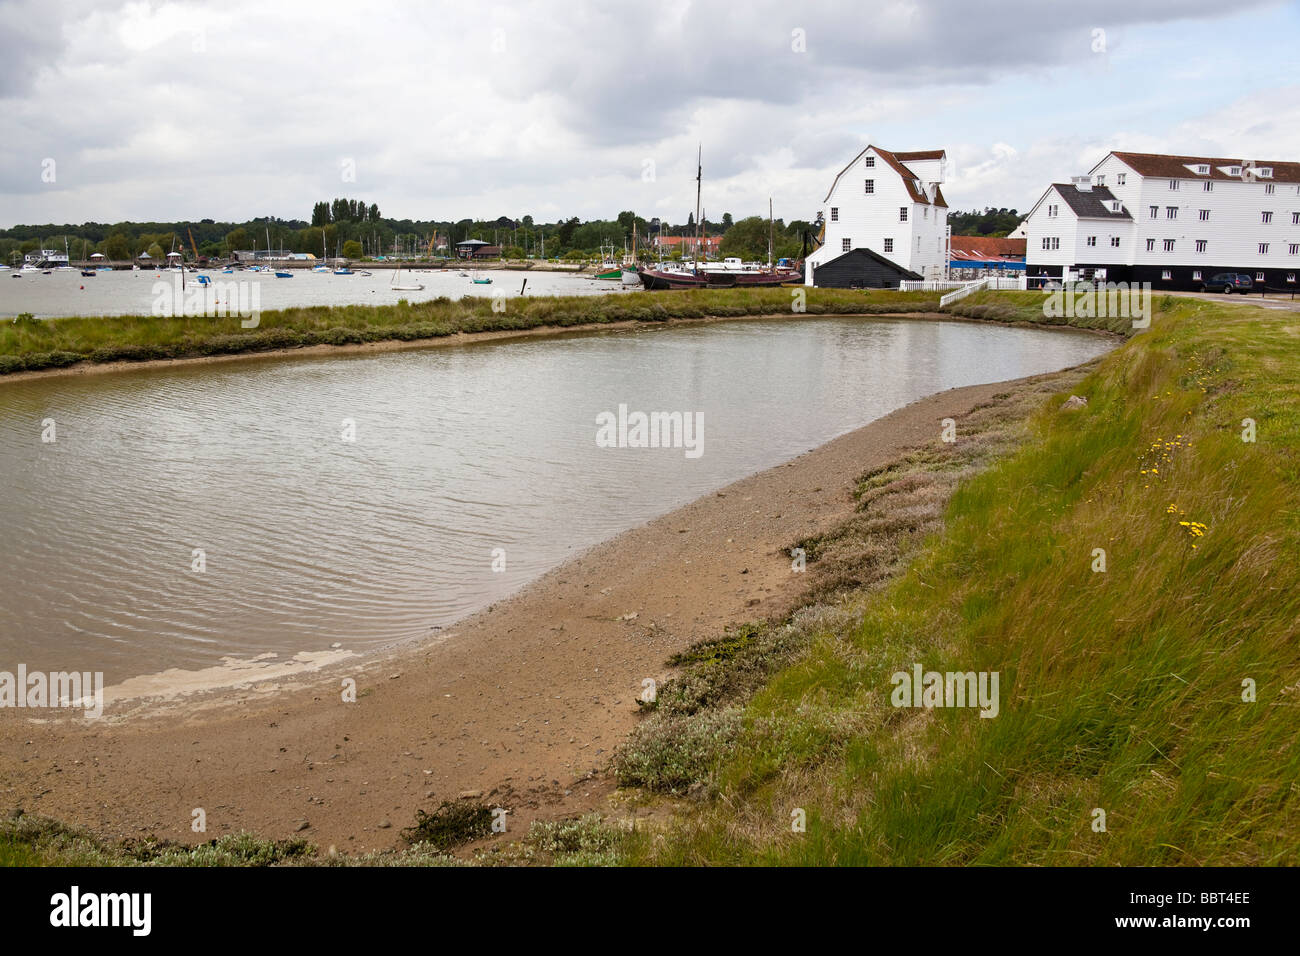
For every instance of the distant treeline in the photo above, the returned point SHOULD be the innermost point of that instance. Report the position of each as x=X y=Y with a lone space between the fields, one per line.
x=990 y=222
x=356 y=228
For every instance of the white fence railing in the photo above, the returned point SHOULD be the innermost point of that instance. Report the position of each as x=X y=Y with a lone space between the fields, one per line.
x=1007 y=282
x=966 y=289
x=929 y=285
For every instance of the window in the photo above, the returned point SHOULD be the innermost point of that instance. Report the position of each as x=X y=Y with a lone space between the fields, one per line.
x=1155 y=211
x=1200 y=245
x=1171 y=212
x=1205 y=215
x=1290 y=277
x=1234 y=170
x=1293 y=249
x=1052 y=210
x=1114 y=241
x=835 y=213
x=1202 y=170
x=889 y=245
x=1092 y=240
x=1051 y=242
x=1119 y=178
x=1268 y=189
x=1173 y=184
x=1196 y=275
x=1209 y=186
x=1266 y=217
x=1295 y=218
x=1265 y=172
x=1259 y=277
x=1263 y=248
x=1151 y=245
x=871 y=162
x=902 y=214
x=926 y=212
x=1114 y=205
x=918 y=243
x=1166 y=274
x=846 y=245
x=871 y=186
x=1101 y=180
x=1169 y=245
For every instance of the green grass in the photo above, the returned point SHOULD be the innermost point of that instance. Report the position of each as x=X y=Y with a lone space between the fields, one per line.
x=1120 y=691
x=30 y=344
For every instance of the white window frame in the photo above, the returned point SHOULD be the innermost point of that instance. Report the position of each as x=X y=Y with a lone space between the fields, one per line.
x=835 y=213
x=1196 y=275
x=1263 y=248
x=889 y=244
x=1173 y=185
x=870 y=162
x=1120 y=178
x=846 y=244
x=902 y=214
x=1171 y=212
x=1205 y=215
x=869 y=187
x=1092 y=240
x=1166 y=274
x=1114 y=241
x=1169 y=245
x=1266 y=217
x=1201 y=245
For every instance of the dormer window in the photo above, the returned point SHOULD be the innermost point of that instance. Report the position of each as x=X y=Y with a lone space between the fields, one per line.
x=1234 y=170
x=1265 y=172
x=1203 y=170
x=1114 y=205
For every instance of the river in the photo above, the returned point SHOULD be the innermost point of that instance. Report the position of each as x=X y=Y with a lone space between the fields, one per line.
x=186 y=514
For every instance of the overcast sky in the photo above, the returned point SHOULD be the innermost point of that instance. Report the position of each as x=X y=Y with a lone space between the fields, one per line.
x=230 y=110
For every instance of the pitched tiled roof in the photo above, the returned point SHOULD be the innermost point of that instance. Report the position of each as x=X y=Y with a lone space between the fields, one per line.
x=919 y=155
x=909 y=178
x=1175 y=167
x=987 y=248
x=1090 y=204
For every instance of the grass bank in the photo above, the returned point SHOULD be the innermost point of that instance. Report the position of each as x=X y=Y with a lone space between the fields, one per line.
x=1147 y=711
x=28 y=344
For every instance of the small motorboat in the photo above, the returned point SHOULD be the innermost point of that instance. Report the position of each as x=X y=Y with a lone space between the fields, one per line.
x=89 y=273
x=284 y=275
x=345 y=271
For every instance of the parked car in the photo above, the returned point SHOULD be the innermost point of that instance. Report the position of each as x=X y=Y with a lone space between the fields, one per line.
x=1228 y=282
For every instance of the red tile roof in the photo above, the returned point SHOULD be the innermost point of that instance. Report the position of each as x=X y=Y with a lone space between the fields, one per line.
x=1175 y=167
x=987 y=248
x=919 y=155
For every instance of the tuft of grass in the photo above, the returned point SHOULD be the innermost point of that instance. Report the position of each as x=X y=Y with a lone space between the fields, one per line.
x=451 y=825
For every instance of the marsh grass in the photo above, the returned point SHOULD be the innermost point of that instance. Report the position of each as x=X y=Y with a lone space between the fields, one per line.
x=31 y=344
x=1121 y=690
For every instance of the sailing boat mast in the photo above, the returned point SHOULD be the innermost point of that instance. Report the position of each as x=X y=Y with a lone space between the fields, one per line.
x=699 y=175
x=769 y=232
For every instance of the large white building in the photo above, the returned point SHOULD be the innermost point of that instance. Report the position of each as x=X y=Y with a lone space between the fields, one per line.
x=885 y=218
x=1173 y=221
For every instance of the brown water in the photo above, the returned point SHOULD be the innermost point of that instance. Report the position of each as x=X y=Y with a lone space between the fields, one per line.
x=310 y=540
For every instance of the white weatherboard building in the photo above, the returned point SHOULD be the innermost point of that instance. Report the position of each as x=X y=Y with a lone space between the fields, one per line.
x=885 y=219
x=1173 y=221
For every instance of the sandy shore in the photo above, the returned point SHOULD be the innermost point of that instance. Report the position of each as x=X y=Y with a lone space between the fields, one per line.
x=523 y=702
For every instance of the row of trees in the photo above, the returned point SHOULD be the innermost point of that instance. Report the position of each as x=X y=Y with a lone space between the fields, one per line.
x=357 y=229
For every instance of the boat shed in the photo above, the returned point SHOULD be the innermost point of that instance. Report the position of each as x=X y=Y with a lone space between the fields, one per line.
x=477 y=249
x=861 y=269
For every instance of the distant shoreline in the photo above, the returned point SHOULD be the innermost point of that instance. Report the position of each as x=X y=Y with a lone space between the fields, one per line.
x=466 y=338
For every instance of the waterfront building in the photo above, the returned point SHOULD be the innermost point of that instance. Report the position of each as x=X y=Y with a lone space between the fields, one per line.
x=1173 y=221
x=884 y=219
